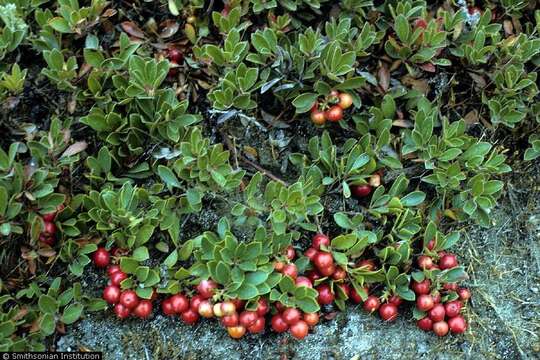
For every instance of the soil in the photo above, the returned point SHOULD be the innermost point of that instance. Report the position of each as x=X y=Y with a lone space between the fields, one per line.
x=503 y=263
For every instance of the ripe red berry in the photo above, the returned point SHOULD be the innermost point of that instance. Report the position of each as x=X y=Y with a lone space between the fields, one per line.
x=450 y=286
x=355 y=297
x=238 y=304
x=118 y=277
x=431 y=244
x=345 y=100
x=313 y=275
x=440 y=328
x=195 y=302
x=143 y=309
x=280 y=307
x=395 y=299
x=206 y=309
x=129 y=299
x=299 y=330
x=318 y=117
x=457 y=324
x=189 y=316
x=311 y=319
x=236 y=332
x=112 y=269
x=420 y=23
x=46 y=239
x=388 y=312
x=278 y=324
x=290 y=270
x=175 y=55
x=437 y=313
x=262 y=307
x=424 y=302
x=257 y=326
x=279 y=266
x=247 y=318
x=49 y=217
x=101 y=257
x=425 y=324
x=310 y=253
x=372 y=303
x=360 y=191
x=303 y=281
x=452 y=308
x=325 y=294
x=290 y=253
x=448 y=261
x=327 y=271
x=334 y=114
x=167 y=307
x=121 y=311
x=111 y=294
x=421 y=287
x=323 y=260
x=230 y=320
x=464 y=294
x=436 y=297
x=206 y=288
x=425 y=262
x=49 y=228
x=319 y=240
x=291 y=316
x=339 y=274
x=180 y=303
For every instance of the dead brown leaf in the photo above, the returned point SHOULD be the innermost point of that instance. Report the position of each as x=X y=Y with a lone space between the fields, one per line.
x=75 y=148
x=132 y=29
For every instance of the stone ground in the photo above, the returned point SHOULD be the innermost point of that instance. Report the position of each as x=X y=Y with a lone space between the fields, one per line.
x=503 y=263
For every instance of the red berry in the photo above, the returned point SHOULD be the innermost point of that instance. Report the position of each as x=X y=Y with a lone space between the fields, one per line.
x=339 y=274
x=421 y=287
x=238 y=304
x=190 y=317
x=118 y=277
x=299 y=330
x=327 y=271
x=290 y=253
x=46 y=239
x=372 y=303
x=206 y=288
x=395 y=299
x=420 y=23
x=450 y=286
x=143 y=309
x=323 y=260
x=440 y=328
x=290 y=270
x=175 y=55
x=49 y=228
x=101 y=257
x=367 y=264
x=303 y=281
x=236 y=332
x=262 y=307
x=257 y=326
x=206 y=309
x=247 y=318
x=425 y=262
x=457 y=324
x=388 y=312
x=464 y=294
x=436 y=297
x=345 y=100
x=355 y=297
x=334 y=114
x=437 y=313
x=448 y=261
x=325 y=294
x=318 y=117
x=319 y=240
x=167 y=307
x=129 y=299
x=425 y=324
x=278 y=324
x=180 y=303
x=49 y=217
x=431 y=244
x=313 y=275
x=279 y=266
x=230 y=320
x=311 y=318
x=424 y=302
x=452 y=308
x=121 y=311
x=111 y=294
x=112 y=269
x=360 y=191
x=228 y=308
x=291 y=316
x=195 y=302
x=280 y=307
x=310 y=253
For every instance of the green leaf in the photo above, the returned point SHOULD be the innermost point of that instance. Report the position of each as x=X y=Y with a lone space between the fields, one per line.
x=141 y=254
x=168 y=176
x=413 y=199
x=47 y=304
x=304 y=102
x=47 y=324
x=247 y=291
x=72 y=313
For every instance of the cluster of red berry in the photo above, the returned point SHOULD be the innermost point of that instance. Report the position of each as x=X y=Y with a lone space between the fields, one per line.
x=125 y=302
x=48 y=236
x=331 y=108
